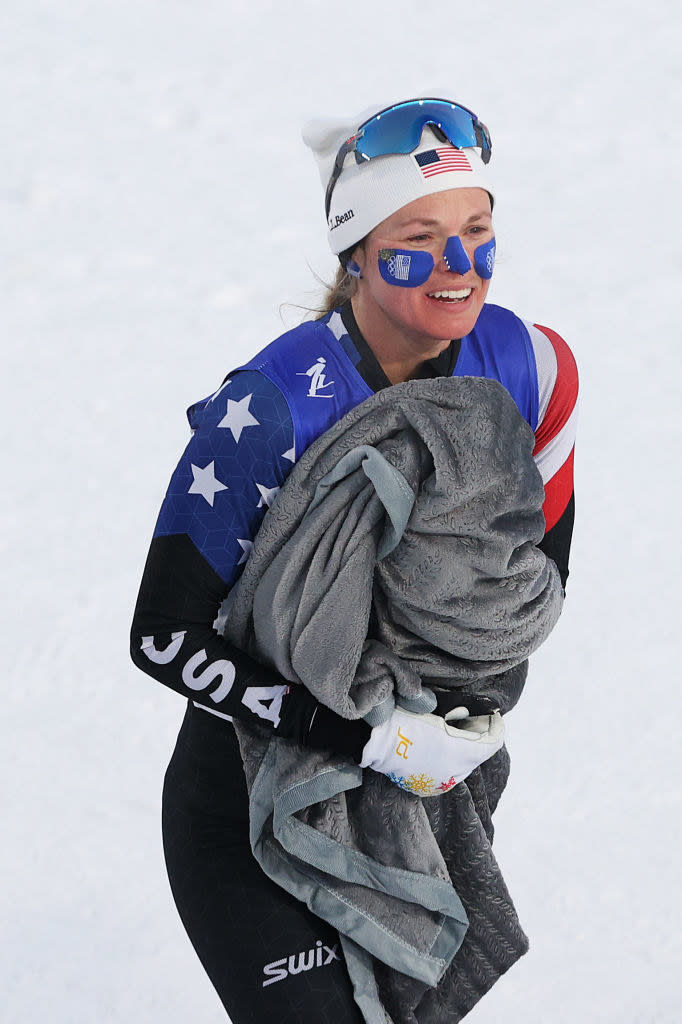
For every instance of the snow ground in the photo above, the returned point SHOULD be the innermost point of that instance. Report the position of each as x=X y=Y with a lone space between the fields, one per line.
x=157 y=207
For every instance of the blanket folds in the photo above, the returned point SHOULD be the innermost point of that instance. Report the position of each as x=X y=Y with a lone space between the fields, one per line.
x=400 y=556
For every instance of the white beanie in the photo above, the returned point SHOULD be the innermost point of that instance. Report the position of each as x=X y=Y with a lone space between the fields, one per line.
x=367 y=193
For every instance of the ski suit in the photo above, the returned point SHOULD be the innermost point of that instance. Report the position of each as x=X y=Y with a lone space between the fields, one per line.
x=265 y=953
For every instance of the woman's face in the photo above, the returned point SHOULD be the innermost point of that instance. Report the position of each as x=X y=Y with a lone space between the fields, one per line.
x=421 y=314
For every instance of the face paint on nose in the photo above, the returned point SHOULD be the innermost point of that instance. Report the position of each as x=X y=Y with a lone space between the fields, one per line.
x=404 y=267
x=455 y=256
x=484 y=259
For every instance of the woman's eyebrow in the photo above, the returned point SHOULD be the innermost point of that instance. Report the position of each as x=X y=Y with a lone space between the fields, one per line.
x=482 y=215
x=422 y=221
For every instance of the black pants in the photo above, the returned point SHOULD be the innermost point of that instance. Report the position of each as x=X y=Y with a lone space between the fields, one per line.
x=269 y=958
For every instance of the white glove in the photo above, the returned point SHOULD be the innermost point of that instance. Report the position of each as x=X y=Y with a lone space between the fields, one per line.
x=427 y=756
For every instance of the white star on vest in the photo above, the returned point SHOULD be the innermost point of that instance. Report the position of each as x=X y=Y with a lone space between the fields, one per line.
x=290 y=455
x=247 y=547
x=205 y=482
x=238 y=416
x=267 y=495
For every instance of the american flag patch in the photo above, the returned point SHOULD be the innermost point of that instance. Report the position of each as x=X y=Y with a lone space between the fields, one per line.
x=399 y=266
x=438 y=161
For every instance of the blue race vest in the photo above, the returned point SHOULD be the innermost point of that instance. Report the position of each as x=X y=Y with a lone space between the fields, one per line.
x=313 y=366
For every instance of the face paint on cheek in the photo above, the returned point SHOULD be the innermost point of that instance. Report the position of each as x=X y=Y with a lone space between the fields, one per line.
x=484 y=259
x=406 y=268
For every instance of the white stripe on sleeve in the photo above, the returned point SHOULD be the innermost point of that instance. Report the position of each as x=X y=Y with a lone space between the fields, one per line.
x=552 y=457
x=546 y=363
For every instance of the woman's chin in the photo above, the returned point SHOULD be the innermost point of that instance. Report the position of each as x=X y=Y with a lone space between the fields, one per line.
x=455 y=318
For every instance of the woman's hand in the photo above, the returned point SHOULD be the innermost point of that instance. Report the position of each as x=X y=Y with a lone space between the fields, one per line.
x=426 y=755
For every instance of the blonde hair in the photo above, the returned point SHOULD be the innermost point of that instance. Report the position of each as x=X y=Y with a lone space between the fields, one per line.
x=342 y=288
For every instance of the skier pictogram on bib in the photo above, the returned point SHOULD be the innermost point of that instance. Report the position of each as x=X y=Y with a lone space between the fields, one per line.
x=317 y=379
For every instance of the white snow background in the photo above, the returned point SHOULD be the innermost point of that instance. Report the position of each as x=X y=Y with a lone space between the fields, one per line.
x=156 y=207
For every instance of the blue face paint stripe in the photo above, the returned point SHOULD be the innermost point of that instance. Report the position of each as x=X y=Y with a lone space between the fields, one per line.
x=404 y=267
x=455 y=256
x=484 y=259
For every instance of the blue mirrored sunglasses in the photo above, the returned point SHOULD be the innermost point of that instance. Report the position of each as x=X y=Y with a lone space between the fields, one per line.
x=398 y=129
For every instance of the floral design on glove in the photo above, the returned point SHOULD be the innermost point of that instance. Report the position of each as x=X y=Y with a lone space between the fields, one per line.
x=421 y=785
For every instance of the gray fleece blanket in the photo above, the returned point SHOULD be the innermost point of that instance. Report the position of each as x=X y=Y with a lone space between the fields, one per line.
x=400 y=556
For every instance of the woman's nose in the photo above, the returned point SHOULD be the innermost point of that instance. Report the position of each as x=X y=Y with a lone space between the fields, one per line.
x=455 y=257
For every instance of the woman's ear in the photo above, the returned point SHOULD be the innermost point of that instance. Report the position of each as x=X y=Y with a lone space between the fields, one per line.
x=356 y=264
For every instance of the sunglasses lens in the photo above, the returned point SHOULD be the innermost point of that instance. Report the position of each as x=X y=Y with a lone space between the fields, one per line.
x=399 y=129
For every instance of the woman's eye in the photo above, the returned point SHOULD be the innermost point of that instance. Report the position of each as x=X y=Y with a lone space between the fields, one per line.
x=418 y=238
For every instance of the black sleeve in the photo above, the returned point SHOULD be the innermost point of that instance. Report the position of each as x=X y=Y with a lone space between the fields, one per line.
x=556 y=543
x=173 y=640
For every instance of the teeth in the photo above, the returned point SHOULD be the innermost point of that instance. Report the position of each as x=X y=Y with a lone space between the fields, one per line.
x=464 y=293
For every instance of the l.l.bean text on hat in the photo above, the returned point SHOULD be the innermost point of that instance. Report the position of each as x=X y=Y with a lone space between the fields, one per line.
x=340 y=218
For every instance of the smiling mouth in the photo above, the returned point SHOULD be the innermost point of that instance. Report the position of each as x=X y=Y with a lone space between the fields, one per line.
x=451 y=295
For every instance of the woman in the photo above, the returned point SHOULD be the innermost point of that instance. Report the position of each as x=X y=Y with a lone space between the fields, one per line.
x=409 y=211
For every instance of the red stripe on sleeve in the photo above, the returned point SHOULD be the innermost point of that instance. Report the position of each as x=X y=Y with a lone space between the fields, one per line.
x=558 y=493
x=559 y=488
x=564 y=395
